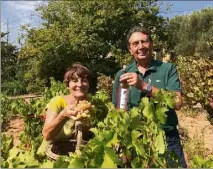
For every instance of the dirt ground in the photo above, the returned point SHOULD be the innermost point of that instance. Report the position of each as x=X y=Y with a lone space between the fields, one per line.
x=198 y=126
x=16 y=124
x=14 y=129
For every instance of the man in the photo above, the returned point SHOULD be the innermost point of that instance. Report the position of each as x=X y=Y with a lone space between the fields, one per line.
x=145 y=76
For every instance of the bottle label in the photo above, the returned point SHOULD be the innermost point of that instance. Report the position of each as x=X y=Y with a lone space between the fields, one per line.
x=123 y=98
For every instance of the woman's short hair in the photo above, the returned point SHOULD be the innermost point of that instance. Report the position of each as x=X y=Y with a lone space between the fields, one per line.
x=77 y=70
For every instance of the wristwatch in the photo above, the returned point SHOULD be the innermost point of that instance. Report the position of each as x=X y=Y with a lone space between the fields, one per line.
x=148 y=88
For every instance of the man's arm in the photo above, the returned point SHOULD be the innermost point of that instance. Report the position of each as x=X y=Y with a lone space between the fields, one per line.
x=133 y=80
x=155 y=89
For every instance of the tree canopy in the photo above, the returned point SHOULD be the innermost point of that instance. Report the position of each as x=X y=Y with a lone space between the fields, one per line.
x=10 y=68
x=192 y=34
x=91 y=32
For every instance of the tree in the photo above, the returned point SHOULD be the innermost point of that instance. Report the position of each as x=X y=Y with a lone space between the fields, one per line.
x=192 y=34
x=8 y=59
x=12 y=80
x=85 y=31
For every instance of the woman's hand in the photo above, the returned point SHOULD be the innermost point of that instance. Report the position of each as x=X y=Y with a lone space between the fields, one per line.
x=70 y=111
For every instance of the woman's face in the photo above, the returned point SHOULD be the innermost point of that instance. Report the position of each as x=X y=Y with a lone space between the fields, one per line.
x=79 y=87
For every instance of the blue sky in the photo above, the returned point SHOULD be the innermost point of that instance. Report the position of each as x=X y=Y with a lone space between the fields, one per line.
x=182 y=7
x=16 y=13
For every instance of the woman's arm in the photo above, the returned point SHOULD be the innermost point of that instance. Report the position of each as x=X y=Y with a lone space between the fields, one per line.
x=54 y=121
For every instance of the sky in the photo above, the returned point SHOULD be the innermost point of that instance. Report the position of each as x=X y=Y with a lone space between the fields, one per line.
x=16 y=13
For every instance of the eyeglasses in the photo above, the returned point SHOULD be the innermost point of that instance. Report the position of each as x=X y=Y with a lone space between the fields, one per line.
x=143 y=42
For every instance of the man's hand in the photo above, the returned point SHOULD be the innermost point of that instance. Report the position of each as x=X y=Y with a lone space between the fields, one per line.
x=211 y=100
x=178 y=101
x=132 y=79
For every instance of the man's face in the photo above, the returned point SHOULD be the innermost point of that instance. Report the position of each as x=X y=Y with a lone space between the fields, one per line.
x=140 y=47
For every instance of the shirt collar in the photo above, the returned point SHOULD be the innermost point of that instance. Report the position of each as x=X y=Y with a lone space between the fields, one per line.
x=134 y=68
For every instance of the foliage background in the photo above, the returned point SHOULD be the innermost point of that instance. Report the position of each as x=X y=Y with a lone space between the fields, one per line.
x=93 y=33
x=192 y=34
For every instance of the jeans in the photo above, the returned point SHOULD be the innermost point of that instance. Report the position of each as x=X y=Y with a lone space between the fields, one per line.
x=174 y=145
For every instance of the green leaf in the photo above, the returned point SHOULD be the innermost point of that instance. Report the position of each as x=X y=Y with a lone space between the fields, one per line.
x=46 y=164
x=138 y=143
x=41 y=150
x=136 y=163
x=134 y=112
x=108 y=135
x=112 y=155
x=97 y=160
x=13 y=153
x=139 y=148
x=29 y=158
x=135 y=122
x=113 y=141
x=145 y=101
x=101 y=125
x=61 y=162
x=169 y=101
x=98 y=139
x=4 y=164
x=76 y=163
x=108 y=162
x=15 y=162
x=123 y=126
x=135 y=134
x=148 y=111
x=94 y=130
x=160 y=142
x=160 y=114
x=21 y=166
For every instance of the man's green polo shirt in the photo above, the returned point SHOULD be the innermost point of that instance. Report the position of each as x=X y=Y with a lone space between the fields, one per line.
x=162 y=75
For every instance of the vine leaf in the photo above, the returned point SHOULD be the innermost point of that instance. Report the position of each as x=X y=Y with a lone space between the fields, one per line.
x=108 y=160
x=148 y=109
x=161 y=115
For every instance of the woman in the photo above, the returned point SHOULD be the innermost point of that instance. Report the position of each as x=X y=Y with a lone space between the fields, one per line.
x=61 y=112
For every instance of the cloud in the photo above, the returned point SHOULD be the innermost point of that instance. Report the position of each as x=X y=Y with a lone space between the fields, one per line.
x=23 y=5
x=20 y=10
x=18 y=13
x=3 y=27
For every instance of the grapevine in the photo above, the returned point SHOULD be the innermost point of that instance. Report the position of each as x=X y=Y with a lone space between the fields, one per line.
x=132 y=139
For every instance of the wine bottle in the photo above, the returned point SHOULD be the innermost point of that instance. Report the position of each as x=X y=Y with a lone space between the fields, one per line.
x=122 y=94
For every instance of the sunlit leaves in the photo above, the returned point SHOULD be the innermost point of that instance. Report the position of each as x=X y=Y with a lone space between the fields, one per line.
x=108 y=162
x=160 y=114
x=91 y=32
x=46 y=164
x=148 y=109
x=197 y=27
x=136 y=133
x=196 y=79
x=76 y=163
x=160 y=142
x=198 y=161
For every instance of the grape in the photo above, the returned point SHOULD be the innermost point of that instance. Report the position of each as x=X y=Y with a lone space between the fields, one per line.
x=87 y=109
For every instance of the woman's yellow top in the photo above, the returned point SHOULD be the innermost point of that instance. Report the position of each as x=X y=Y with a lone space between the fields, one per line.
x=57 y=104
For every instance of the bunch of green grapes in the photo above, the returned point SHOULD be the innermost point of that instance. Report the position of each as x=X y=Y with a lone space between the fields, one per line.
x=85 y=109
